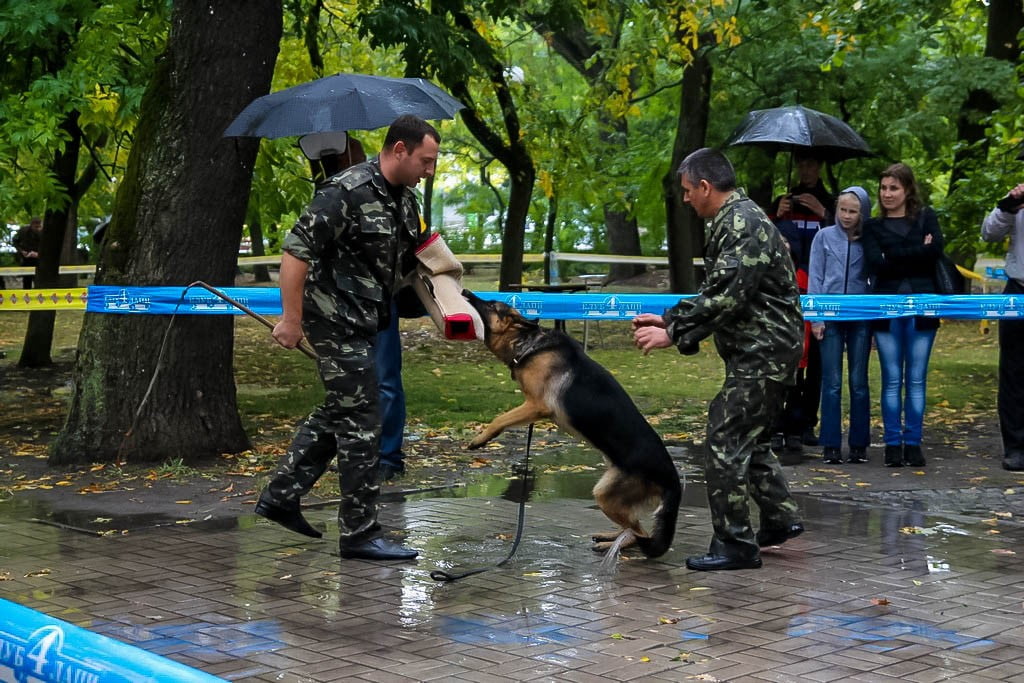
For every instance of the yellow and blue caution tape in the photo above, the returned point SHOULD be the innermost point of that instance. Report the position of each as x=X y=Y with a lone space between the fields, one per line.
x=544 y=305
x=42 y=299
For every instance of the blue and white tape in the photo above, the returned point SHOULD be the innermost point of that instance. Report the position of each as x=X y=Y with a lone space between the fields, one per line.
x=561 y=306
x=36 y=647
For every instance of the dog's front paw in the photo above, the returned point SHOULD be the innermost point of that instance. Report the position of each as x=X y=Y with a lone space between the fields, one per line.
x=478 y=442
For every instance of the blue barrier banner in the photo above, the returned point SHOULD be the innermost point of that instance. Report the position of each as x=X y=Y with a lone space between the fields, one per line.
x=37 y=648
x=578 y=306
x=168 y=300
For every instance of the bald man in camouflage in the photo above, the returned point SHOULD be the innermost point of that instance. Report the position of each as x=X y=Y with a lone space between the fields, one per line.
x=341 y=265
x=750 y=303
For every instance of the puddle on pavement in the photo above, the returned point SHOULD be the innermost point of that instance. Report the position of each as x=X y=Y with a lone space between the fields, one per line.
x=99 y=523
x=557 y=471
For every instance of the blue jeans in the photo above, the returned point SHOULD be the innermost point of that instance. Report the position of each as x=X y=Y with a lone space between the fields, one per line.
x=855 y=337
x=903 y=353
x=388 y=350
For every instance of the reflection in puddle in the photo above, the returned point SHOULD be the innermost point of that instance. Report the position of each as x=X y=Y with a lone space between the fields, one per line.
x=505 y=630
x=874 y=631
x=562 y=471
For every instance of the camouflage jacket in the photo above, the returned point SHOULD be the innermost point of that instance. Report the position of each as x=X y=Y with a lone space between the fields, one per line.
x=749 y=299
x=358 y=243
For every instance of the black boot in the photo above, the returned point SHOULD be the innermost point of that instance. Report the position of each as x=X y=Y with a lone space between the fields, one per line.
x=894 y=456
x=912 y=455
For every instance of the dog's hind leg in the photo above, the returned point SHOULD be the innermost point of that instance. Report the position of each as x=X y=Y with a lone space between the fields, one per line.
x=612 y=494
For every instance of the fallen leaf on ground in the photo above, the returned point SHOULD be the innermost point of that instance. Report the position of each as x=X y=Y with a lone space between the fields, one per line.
x=1002 y=551
x=38 y=572
x=668 y=620
x=879 y=601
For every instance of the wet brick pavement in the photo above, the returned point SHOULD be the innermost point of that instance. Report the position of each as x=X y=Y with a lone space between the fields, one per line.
x=874 y=591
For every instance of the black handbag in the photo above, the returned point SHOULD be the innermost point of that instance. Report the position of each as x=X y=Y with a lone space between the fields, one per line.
x=948 y=280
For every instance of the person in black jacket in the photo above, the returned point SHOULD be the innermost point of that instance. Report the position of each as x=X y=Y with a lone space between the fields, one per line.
x=799 y=215
x=901 y=247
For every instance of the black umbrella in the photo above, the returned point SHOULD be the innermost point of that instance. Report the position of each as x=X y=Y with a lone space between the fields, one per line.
x=798 y=129
x=342 y=102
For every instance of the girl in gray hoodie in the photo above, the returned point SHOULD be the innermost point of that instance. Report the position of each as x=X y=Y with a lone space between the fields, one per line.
x=837 y=266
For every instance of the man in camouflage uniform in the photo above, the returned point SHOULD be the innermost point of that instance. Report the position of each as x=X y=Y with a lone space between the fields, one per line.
x=341 y=265
x=749 y=301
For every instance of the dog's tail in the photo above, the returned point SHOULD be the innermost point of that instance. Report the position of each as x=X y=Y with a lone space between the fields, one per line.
x=657 y=544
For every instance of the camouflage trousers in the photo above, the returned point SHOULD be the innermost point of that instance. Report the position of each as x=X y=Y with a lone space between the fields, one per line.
x=346 y=425
x=740 y=464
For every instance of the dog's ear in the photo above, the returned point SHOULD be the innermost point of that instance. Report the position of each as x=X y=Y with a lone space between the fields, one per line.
x=525 y=324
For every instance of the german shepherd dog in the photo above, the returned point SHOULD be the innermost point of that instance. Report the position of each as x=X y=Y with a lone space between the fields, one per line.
x=562 y=383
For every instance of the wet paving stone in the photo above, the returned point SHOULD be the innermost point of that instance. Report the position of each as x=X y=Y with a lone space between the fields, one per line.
x=870 y=592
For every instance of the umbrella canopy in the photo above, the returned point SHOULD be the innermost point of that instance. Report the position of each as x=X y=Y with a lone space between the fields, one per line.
x=798 y=129
x=342 y=102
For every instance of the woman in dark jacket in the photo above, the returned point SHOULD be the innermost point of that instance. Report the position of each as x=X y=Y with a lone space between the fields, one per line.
x=901 y=247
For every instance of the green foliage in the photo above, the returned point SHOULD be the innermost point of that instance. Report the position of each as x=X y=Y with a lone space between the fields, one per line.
x=899 y=74
x=66 y=56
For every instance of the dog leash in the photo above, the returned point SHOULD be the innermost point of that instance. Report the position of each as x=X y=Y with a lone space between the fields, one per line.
x=440 y=575
x=302 y=346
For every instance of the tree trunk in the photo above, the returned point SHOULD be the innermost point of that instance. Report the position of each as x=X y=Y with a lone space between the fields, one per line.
x=39 y=335
x=623 y=238
x=685 y=230
x=520 y=191
x=177 y=218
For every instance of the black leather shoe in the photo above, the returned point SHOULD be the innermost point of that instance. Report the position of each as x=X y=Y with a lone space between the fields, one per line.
x=858 y=455
x=832 y=456
x=710 y=563
x=778 y=535
x=290 y=519
x=377 y=549
x=389 y=471
x=794 y=444
x=1014 y=461
x=912 y=455
x=894 y=456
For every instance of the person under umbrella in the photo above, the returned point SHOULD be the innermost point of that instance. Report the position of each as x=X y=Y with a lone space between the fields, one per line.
x=799 y=215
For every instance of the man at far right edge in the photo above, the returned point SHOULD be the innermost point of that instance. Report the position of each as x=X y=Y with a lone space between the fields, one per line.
x=1007 y=219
